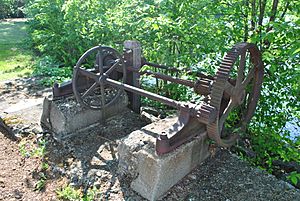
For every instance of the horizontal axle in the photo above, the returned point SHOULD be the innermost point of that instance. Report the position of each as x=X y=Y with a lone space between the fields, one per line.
x=204 y=113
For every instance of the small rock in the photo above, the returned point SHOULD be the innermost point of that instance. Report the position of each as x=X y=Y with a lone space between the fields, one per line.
x=98 y=174
x=193 y=177
x=8 y=83
x=97 y=184
x=18 y=195
x=5 y=91
x=179 y=188
x=70 y=160
x=2 y=184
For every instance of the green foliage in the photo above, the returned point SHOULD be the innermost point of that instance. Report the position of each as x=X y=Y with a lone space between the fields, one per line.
x=64 y=30
x=28 y=148
x=71 y=194
x=49 y=71
x=11 y=8
x=294 y=177
x=41 y=183
x=68 y=193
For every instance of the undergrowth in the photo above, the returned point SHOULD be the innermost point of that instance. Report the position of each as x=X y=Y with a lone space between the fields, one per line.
x=72 y=194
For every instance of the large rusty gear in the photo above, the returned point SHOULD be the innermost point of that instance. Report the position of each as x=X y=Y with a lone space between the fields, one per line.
x=227 y=92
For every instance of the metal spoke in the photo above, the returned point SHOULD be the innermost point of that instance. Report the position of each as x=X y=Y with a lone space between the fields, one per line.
x=249 y=77
x=90 y=90
x=113 y=67
x=229 y=88
x=100 y=61
x=240 y=75
x=225 y=114
x=97 y=60
x=88 y=74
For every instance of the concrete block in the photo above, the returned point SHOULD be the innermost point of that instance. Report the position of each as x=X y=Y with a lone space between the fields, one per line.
x=152 y=175
x=65 y=117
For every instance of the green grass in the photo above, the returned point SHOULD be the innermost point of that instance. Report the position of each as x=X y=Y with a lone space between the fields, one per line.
x=15 y=59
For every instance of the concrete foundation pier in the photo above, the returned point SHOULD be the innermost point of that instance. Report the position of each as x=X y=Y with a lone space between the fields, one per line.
x=152 y=175
x=65 y=117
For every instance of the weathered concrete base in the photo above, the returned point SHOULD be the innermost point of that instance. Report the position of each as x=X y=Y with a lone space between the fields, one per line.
x=152 y=175
x=65 y=117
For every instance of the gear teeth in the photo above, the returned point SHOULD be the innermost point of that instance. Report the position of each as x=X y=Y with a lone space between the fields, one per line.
x=224 y=68
x=226 y=63
x=218 y=88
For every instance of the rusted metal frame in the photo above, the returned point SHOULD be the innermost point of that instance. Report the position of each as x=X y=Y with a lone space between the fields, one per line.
x=65 y=89
x=187 y=83
x=180 y=132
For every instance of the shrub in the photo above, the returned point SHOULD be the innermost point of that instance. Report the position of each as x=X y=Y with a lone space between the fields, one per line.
x=11 y=8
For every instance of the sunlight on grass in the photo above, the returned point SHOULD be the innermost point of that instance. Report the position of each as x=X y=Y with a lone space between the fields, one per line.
x=15 y=60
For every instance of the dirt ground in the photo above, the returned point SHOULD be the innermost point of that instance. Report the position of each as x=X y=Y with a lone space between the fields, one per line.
x=90 y=160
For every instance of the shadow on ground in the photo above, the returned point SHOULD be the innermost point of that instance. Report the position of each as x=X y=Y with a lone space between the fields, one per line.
x=90 y=159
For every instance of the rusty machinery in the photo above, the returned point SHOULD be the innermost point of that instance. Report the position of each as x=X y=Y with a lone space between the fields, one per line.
x=237 y=82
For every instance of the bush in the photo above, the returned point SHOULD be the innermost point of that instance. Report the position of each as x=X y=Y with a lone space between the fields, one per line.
x=11 y=8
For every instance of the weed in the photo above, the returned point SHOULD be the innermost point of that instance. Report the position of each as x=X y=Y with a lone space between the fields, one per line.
x=40 y=149
x=28 y=149
x=23 y=150
x=44 y=166
x=40 y=185
x=68 y=193
x=72 y=194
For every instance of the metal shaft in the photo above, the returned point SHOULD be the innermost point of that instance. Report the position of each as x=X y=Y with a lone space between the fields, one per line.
x=165 y=100
x=173 y=69
x=187 y=83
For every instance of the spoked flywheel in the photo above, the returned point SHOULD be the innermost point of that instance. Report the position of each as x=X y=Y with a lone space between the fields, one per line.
x=236 y=87
x=96 y=64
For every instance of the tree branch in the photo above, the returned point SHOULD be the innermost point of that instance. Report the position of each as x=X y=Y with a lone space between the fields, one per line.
x=253 y=13
x=285 y=9
x=272 y=19
x=246 y=27
x=262 y=7
x=274 y=10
